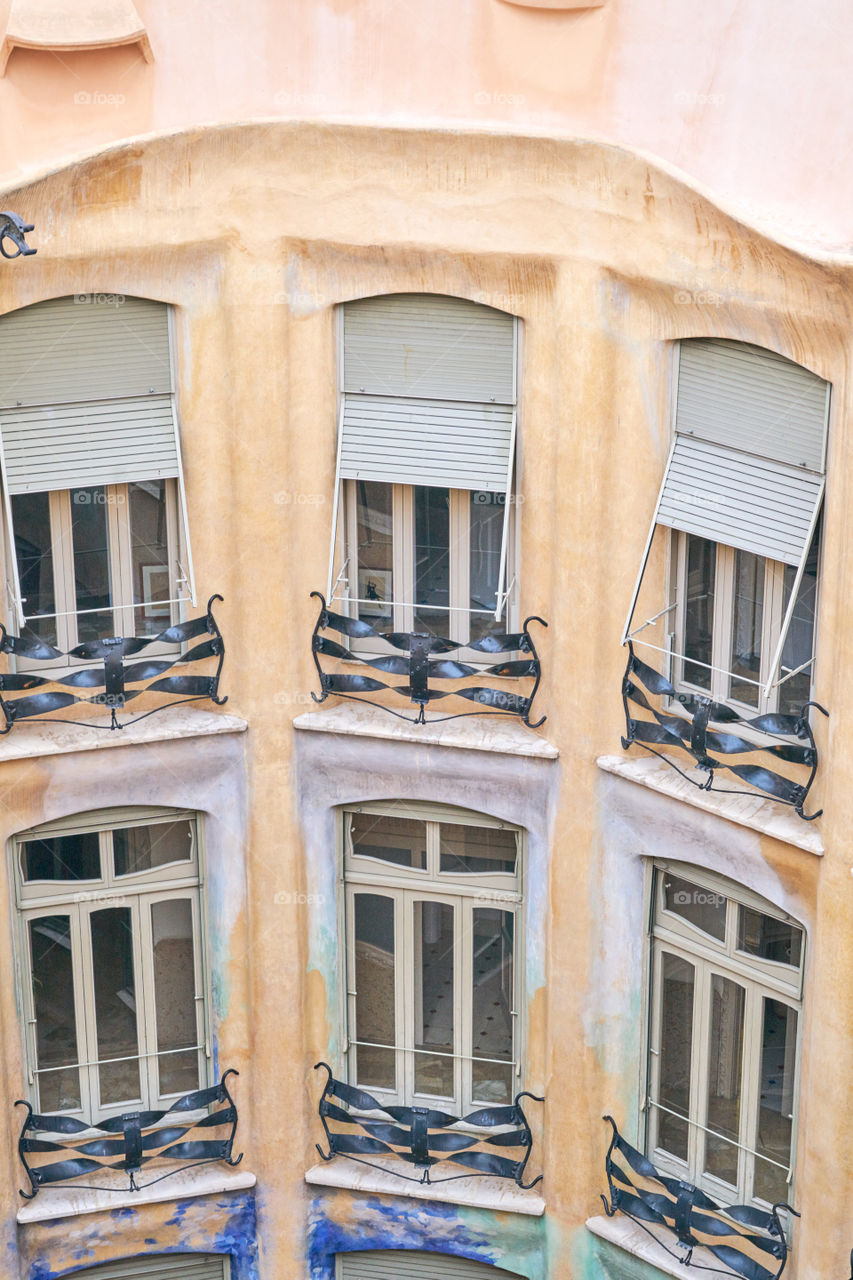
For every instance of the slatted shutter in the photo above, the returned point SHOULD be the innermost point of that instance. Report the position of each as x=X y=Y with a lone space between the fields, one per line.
x=87 y=397
x=428 y=392
x=165 y=1266
x=747 y=465
x=748 y=460
x=412 y=1264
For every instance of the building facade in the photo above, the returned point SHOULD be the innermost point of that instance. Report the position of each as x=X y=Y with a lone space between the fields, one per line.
x=525 y=380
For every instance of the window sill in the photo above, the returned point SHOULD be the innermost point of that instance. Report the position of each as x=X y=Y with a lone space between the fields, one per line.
x=53 y=1203
x=761 y=815
x=625 y=1234
x=32 y=740
x=496 y=734
x=476 y=1192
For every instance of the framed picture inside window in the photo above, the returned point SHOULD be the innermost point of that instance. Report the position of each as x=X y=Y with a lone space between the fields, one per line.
x=155 y=591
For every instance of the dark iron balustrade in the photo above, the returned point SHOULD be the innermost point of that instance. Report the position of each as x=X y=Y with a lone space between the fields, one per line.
x=407 y=1133
x=750 y=1242
x=116 y=680
x=421 y=668
x=690 y=731
x=69 y=1149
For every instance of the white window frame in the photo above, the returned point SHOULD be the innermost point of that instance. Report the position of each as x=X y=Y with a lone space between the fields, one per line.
x=78 y=899
x=761 y=979
x=118 y=507
x=405 y=886
x=403 y=567
x=773 y=620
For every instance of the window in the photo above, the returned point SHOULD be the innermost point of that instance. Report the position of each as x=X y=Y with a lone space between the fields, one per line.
x=415 y=1264
x=742 y=495
x=98 y=560
x=727 y=977
x=433 y=954
x=112 y=954
x=731 y=608
x=425 y=467
x=97 y=541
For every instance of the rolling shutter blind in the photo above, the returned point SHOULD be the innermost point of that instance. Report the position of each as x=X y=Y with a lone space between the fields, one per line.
x=86 y=395
x=747 y=466
x=411 y=1264
x=428 y=393
x=167 y=1266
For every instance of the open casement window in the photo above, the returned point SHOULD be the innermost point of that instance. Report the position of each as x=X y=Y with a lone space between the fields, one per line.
x=742 y=496
x=112 y=961
x=726 y=1007
x=433 y=955
x=96 y=531
x=423 y=532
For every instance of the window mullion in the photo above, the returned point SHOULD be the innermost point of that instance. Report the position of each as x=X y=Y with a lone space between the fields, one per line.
x=723 y=623
x=146 y=1005
x=460 y=565
x=750 y=1090
x=463 y=1001
x=699 y=1071
x=121 y=558
x=62 y=540
x=404 y=917
x=85 y=999
x=403 y=553
x=773 y=592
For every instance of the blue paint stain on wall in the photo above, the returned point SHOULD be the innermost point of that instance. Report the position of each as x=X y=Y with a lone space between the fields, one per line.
x=233 y=1233
x=373 y=1223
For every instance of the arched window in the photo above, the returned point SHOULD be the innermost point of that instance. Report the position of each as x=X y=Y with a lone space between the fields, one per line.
x=414 y=1264
x=433 y=932
x=727 y=978
x=164 y=1266
x=111 y=953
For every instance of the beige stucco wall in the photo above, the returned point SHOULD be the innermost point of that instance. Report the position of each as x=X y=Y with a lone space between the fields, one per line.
x=254 y=234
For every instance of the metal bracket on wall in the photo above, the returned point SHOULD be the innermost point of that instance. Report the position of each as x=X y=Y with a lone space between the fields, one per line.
x=14 y=229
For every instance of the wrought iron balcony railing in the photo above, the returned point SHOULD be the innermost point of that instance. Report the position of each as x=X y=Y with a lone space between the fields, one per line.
x=421 y=668
x=406 y=1132
x=67 y=1149
x=690 y=731
x=116 y=680
x=749 y=1241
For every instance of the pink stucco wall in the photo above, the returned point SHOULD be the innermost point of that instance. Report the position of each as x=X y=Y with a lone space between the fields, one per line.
x=751 y=101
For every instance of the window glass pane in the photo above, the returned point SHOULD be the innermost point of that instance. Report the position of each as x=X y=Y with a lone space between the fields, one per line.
x=799 y=643
x=747 y=626
x=74 y=857
x=53 y=1001
x=91 y=562
x=144 y=848
x=174 y=994
x=699 y=610
x=725 y=1061
x=434 y=996
x=34 y=554
x=375 y=1015
x=776 y=1104
x=476 y=850
x=391 y=839
x=150 y=557
x=700 y=907
x=432 y=559
x=486 y=525
x=492 y=1004
x=678 y=981
x=374 y=525
x=768 y=938
x=115 y=1004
